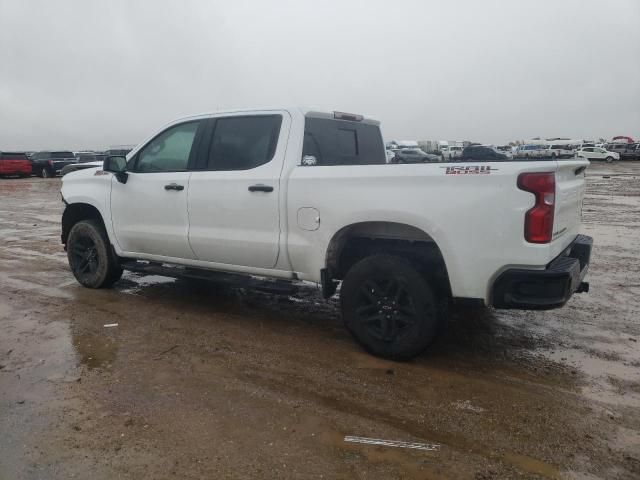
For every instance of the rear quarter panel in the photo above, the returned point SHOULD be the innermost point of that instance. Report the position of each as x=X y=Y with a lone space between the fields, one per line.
x=474 y=212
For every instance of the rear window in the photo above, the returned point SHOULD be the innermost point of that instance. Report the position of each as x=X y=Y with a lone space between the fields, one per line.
x=62 y=155
x=340 y=142
x=13 y=156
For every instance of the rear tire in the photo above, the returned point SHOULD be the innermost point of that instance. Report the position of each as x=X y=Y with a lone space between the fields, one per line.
x=45 y=173
x=609 y=159
x=90 y=256
x=389 y=307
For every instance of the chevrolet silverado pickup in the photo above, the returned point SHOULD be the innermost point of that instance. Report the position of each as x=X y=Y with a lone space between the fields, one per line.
x=279 y=197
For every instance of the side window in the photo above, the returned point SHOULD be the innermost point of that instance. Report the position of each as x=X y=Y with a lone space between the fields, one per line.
x=169 y=151
x=242 y=143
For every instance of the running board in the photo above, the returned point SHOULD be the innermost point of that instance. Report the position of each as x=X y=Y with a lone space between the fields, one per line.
x=263 y=284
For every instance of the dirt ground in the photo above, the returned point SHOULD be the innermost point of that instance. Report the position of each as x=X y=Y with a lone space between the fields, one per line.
x=228 y=383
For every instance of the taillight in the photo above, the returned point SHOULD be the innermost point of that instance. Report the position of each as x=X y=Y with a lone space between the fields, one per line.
x=51 y=163
x=538 y=221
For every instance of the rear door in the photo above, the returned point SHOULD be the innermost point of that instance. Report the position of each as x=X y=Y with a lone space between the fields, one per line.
x=149 y=211
x=570 y=189
x=234 y=193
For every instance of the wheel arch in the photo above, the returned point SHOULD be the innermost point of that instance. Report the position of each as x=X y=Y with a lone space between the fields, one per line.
x=76 y=212
x=359 y=240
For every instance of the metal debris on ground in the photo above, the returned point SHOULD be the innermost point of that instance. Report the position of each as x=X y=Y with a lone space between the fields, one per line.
x=108 y=325
x=392 y=443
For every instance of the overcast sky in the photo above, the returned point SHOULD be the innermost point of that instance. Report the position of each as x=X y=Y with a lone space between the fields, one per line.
x=89 y=74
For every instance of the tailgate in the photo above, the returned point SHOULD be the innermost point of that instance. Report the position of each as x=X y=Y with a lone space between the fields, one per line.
x=570 y=188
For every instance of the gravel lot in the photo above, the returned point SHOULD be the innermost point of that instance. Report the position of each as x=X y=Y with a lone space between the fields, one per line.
x=211 y=382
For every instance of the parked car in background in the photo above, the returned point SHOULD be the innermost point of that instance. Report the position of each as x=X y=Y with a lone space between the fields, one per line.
x=414 y=155
x=506 y=149
x=627 y=151
x=14 y=164
x=597 y=153
x=390 y=155
x=532 y=151
x=85 y=160
x=49 y=164
x=450 y=152
x=632 y=152
x=560 y=151
x=483 y=153
x=120 y=150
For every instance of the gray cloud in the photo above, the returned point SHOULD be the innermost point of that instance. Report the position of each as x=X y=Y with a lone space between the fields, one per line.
x=80 y=74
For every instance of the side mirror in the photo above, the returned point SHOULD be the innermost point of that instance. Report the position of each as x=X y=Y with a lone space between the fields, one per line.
x=117 y=165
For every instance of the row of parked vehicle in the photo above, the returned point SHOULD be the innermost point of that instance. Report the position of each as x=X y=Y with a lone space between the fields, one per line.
x=478 y=152
x=606 y=151
x=48 y=164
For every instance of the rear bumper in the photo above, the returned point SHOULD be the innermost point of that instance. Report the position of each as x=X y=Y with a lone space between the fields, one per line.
x=548 y=288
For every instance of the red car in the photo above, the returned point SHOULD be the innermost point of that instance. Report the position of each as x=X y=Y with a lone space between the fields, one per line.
x=14 y=164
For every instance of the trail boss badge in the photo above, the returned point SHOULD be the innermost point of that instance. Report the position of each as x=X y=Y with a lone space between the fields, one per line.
x=469 y=170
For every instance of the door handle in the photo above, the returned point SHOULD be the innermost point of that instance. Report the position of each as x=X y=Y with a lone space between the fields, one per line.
x=174 y=186
x=260 y=188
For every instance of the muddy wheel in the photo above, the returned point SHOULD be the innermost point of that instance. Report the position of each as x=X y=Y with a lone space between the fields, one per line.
x=90 y=256
x=389 y=307
x=609 y=159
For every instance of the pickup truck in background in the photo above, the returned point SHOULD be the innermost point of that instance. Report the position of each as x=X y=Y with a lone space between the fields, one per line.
x=532 y=151
x=49 y=164
x=450 y=152
x=276 y=197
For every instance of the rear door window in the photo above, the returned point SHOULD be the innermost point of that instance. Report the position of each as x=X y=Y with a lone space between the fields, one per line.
x=243 y=143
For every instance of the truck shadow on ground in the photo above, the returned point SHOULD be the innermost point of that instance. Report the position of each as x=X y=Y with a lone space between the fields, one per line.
x=474 y=338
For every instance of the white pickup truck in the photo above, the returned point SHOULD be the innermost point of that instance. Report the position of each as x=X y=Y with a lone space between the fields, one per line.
x=275 y=197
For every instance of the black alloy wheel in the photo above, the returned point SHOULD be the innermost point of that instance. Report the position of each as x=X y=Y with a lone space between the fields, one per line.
x=389 y=307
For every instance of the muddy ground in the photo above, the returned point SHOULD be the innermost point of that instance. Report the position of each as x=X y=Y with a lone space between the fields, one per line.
x=227 y=383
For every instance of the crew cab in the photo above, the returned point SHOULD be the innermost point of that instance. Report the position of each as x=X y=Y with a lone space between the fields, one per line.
x=14 y=164
x=49 y=164
x=277 y=197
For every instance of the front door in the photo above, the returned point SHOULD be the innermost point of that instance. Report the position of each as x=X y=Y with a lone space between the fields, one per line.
x=234 y=196
x=149 y=211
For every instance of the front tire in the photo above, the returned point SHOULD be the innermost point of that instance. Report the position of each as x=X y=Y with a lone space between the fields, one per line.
x=609 y=159
x=389 y=307
x=91 y=259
